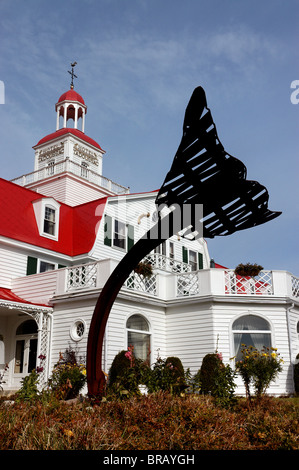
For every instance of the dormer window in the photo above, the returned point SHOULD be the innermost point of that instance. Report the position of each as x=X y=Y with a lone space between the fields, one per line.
x=49 y=220
x=47 y=217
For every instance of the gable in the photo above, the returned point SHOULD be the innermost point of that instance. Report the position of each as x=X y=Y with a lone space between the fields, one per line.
x=77 y=225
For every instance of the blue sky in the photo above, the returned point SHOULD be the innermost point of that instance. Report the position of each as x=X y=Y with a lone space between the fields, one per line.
x=138 y=63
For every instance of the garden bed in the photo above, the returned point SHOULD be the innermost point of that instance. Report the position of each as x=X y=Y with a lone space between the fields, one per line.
x=158 y=421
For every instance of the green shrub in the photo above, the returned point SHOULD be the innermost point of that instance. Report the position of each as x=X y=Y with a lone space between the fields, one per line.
x=258 y=368
x=217 y=379
x=29 y=390
x=167 y=375
x=68 y=377
x=126 y=373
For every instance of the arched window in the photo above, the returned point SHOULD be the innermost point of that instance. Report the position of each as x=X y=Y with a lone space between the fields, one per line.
x=250 y=330
x=138 y=336
x=27 y=327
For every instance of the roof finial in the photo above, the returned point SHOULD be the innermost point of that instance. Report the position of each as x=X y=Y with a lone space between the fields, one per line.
x=72 y=74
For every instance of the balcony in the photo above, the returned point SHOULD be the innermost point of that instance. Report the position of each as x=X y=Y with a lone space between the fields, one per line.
x=162 y=285
x=77 y=170
x=181 y=282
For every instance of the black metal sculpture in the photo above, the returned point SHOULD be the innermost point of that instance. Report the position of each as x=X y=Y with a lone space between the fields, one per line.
x=202 y=173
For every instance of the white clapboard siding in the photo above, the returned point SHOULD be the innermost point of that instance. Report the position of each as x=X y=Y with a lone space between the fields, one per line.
x=36 y=288
x=131 y=210
x=189 y=334
x=13 y=263
x=67 y=312
x=69 y=190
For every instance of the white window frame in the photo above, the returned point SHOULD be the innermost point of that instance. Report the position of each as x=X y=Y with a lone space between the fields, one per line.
x=137 y=331
x=39 y=263
x=84 y=169
x=50 y=168
x=39 y=206
x=193 y=265
x=125 y=237
x=74 y=330
x=252 y=331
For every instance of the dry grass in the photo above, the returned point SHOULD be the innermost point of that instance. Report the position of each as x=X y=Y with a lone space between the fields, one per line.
x=155 y=422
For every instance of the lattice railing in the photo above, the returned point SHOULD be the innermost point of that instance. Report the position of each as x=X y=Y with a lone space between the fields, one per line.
x=187 y=284
x=257 y=285
x=159 y=261
x=140 y=283
x=295 y=286
x=84 y=275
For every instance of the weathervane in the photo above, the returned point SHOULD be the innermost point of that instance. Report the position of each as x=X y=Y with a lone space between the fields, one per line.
x=202 y=174
x=73 y=74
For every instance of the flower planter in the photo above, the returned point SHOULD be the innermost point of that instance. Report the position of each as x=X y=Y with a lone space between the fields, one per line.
x=248 y=270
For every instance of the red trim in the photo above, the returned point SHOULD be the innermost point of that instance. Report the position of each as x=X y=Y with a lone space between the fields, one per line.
x=7 y=294
x=68 y=130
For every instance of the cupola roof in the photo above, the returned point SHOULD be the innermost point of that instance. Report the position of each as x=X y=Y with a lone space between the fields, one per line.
x=71 y=95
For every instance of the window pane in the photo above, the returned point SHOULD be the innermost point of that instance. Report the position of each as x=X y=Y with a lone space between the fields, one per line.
x=27 y=327
x=193 y=260
x=32 y=355
x=141 y=344
x=20 y=346
x=44 y=266
x=49 y=222
x=137 y=322
x=171 y=250
x=119 y=234
x=257 y=340
x=251 y=322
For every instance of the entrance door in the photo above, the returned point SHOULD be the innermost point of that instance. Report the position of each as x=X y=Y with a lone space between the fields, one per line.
x=25 y=350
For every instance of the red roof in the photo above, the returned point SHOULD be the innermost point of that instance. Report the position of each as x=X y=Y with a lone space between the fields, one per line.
x=69 y=130
x=71 y=95
x=77 y=226
x=7 y=294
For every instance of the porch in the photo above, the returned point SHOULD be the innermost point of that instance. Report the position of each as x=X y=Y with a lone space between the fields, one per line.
x=25 y=330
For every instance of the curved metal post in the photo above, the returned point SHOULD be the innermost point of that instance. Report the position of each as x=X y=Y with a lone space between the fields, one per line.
x=95 y=375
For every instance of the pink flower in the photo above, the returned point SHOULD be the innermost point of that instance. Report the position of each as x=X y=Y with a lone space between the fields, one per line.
x=220 y=356
x=128 y=354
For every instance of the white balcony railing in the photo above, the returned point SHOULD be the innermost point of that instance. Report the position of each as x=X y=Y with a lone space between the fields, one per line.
x=161 y=284
x=258 y=285
x=159 y=261
x=74 y=168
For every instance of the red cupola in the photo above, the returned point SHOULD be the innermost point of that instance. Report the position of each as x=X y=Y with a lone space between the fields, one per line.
x=71 y=105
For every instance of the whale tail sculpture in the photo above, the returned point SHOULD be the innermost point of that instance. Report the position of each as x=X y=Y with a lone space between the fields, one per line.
x=202 y=173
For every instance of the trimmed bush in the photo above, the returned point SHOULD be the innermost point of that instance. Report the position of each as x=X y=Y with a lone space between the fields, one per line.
x=217 y=379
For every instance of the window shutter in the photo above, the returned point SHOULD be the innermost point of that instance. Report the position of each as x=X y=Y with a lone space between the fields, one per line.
x=200 y=261
x=107 y=230
x=130 y=237
x=31 y=265
x=185 y=254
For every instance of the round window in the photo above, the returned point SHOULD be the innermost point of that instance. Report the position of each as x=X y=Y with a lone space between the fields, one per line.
x=78 y=330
